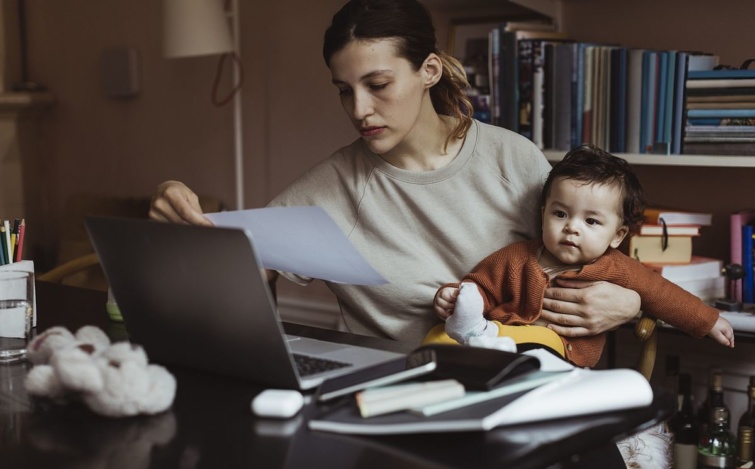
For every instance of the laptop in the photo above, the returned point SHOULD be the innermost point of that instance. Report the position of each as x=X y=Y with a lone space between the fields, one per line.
x=197 y=297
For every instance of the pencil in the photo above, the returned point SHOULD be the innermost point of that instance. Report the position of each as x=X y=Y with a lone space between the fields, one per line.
x=6 y=227
x=20 y=240
x=4 y=245
x=13 y=238
x=2 y=248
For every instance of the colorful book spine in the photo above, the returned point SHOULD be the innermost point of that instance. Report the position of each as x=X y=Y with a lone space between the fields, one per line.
x=720 y=113
x=747 y=264
x=736 y=222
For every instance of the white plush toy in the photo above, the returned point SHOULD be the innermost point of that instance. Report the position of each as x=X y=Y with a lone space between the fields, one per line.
x=111 y=379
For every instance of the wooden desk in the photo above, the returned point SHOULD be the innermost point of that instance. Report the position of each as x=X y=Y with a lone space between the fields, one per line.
x=211 y=426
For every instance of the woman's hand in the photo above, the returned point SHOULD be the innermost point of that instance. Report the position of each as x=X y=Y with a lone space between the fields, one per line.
x=444 y=302
x=176 y=203
x=577 y=308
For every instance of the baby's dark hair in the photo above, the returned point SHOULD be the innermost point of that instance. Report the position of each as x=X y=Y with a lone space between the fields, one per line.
x=591 y=165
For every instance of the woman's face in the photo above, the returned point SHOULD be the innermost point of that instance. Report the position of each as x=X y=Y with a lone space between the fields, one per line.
x=381 y=92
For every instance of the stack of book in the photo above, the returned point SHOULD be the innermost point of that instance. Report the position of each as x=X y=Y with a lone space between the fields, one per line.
x=720 y=112
x=664 y=243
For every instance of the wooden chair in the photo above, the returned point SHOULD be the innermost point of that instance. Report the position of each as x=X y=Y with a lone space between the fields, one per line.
x=645 y=332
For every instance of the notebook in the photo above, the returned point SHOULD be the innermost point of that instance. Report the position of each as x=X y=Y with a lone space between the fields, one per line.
x=197 y=297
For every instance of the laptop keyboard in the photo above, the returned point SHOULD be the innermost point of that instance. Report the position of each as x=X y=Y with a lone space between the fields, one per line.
x=308 y=365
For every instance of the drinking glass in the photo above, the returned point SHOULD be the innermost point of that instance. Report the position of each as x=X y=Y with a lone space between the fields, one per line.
x=16 y=313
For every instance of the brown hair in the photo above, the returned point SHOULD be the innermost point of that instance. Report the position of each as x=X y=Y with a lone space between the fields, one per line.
x=591 y=165
x=407 y=22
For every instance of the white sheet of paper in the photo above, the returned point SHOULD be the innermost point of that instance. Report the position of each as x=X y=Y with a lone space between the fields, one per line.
x=303 y=241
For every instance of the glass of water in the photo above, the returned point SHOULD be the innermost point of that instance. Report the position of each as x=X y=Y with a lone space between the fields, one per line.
x=16 y=313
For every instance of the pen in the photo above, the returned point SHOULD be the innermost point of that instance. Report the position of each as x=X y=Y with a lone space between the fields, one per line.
x=14 y=238
x=6 y=228
x=4 y=245
x=2 y=248
x=20 y=240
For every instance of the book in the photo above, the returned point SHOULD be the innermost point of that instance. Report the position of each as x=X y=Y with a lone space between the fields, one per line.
x=707 y=289
x=748 y=288
x=679 y=109
x=654 y=215
x=386 y=399
x=522 y=383
x=705 y=113
x=721 y=83
x=720 y=148
x=699 y=267
x=509 y=51
x=718 y=74
x=587 y=95
x=618 y=105
x=634 y=100
x=736 y=222
x=721 y=104
x=562 y=96
x=647 y=111
x=723 y=98
x=659 y=143
x=702 y=61
x=648 y=229
x=660 y=249
x=577 y=392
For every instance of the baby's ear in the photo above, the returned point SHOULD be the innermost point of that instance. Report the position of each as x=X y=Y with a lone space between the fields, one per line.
x=621 y=233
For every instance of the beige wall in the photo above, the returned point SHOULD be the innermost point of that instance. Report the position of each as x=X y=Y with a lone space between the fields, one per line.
x=292 y=117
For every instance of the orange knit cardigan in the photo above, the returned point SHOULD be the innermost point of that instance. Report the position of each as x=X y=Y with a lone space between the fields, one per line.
x=512 y=285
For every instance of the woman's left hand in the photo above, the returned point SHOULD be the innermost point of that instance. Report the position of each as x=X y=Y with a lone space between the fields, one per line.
x=577 y=308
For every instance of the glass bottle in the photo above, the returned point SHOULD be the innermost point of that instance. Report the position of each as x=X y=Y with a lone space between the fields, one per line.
x=718 y=445
x=744 y=446
x=714 y=399
x=684 y=427
x=672 y=378
x=746 y=425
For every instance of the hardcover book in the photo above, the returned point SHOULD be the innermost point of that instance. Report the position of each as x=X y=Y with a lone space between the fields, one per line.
x=648 y=229
x=654 y=215
x=661 y=249
x=699 y=267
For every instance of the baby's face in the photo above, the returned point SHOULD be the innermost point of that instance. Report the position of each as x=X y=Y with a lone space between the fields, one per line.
x=580 y=221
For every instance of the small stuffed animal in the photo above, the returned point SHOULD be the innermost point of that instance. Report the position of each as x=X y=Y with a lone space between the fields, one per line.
x=111 y=379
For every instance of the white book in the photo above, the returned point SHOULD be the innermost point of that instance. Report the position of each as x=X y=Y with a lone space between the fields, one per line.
x=707 y=289
x=698 y=268
x=387 y=399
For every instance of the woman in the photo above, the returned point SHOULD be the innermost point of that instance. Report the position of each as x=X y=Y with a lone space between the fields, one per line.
x=426 y=191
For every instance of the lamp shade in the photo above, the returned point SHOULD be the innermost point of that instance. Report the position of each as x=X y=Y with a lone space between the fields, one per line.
x=195 y=27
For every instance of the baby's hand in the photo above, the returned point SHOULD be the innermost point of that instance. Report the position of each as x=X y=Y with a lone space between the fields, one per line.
x=722 y=332
x=444 y=302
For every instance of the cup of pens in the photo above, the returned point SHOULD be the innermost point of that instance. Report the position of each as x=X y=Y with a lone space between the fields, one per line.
x=12 y=241
x=16 y=313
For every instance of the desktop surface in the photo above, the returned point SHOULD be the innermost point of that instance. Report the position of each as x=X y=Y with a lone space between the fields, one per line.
x=210 y=423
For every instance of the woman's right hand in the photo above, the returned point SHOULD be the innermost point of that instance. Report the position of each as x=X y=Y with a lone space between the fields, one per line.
x=176 y=203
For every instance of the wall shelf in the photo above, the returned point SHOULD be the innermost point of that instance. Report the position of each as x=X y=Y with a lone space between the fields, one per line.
x=717 y=161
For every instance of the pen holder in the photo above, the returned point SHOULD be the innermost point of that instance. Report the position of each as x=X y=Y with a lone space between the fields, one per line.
x=25 y=266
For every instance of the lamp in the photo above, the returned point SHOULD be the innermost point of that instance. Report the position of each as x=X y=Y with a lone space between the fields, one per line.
x=200 y=27
x=195 y=27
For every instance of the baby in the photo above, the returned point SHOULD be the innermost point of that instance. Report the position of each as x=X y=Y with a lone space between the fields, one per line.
x=591 y=199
